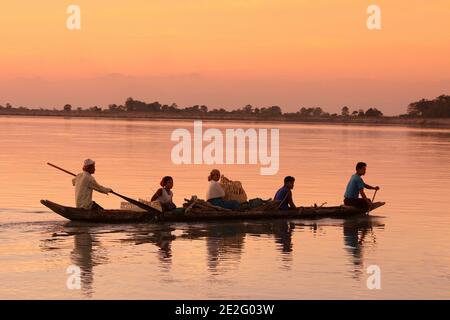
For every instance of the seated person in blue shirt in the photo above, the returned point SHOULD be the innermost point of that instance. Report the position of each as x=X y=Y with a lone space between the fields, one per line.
x=284 y=194
x=355 y=187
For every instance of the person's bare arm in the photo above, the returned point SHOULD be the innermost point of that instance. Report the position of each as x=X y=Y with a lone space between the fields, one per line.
x=291 y=201
x=363 y=194
x=157 y=194
x=370 y=187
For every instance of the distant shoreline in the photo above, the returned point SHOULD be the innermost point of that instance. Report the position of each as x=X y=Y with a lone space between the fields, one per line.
x=385 y=120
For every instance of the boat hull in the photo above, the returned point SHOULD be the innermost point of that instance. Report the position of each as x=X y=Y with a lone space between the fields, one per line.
x=131 y=216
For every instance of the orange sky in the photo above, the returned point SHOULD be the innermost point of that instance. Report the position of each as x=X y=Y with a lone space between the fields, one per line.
x=292 y=53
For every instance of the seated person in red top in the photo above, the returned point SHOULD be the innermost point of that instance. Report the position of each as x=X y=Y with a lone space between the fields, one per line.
x=165 y=195
x=284 y=194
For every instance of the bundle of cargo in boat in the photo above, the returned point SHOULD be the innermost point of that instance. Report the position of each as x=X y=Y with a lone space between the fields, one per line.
x=129 y=206
x=233 y=190
x=199 y=206
x=268 y=205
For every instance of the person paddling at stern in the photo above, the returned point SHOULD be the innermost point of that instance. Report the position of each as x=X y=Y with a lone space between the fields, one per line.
x=215 y=193
x=355 y=187
x=85 y=184
x=165 y=195
x=284 y=194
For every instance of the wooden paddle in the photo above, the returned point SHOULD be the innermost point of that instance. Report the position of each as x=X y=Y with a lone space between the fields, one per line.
x=132 y=201
x=371 y=203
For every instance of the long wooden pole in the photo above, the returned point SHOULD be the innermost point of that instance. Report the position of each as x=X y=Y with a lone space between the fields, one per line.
x=130 y=200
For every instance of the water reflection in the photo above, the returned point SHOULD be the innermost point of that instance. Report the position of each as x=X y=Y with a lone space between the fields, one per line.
x=158 y=235
x=225 y=242
x=87 y=251
x=82 y=256
x=358 y=236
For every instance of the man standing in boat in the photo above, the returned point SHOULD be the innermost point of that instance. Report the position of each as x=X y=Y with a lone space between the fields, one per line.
x=355 y=187
x=84 y=184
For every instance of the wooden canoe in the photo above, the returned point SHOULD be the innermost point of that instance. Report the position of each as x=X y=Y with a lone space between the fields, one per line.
x=129 y=216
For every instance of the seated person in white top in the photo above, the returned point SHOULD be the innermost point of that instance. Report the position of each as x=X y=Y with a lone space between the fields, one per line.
x=215 y=193
x=164 y=195
x=84 y=185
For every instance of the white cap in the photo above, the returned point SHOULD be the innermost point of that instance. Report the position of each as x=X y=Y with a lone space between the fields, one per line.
x=89 y=162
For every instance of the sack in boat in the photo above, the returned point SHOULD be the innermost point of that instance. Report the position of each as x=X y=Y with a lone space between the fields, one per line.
x=129 y=206
x=233 y=190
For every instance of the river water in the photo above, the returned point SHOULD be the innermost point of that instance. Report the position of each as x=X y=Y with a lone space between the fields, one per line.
x=408 y=238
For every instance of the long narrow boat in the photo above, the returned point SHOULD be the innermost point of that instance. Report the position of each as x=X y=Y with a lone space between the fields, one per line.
x=127 y=216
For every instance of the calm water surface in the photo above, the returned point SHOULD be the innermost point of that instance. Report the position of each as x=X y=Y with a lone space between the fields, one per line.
x=409 y=238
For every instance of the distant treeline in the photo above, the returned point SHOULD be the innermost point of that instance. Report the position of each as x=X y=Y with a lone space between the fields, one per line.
x=136 y=106
x=437 y=108
x=139 y=106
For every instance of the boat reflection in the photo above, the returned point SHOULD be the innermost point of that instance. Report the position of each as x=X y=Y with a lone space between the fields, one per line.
x=224 y=241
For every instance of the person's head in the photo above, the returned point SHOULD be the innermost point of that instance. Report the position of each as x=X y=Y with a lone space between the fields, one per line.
x=167 y=182
x=214 y=175
x=289 y=182
x=89 y=166
x=361 y=168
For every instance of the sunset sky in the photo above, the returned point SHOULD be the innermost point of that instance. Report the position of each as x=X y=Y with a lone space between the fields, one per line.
x=225 y=53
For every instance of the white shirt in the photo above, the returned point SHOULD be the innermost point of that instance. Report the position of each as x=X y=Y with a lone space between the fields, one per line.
x=84 y=185
x=166 y=196
x=215 y=190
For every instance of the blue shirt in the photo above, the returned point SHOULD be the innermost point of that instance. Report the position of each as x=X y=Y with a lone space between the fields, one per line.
x=283 y=195
x=355 y=184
